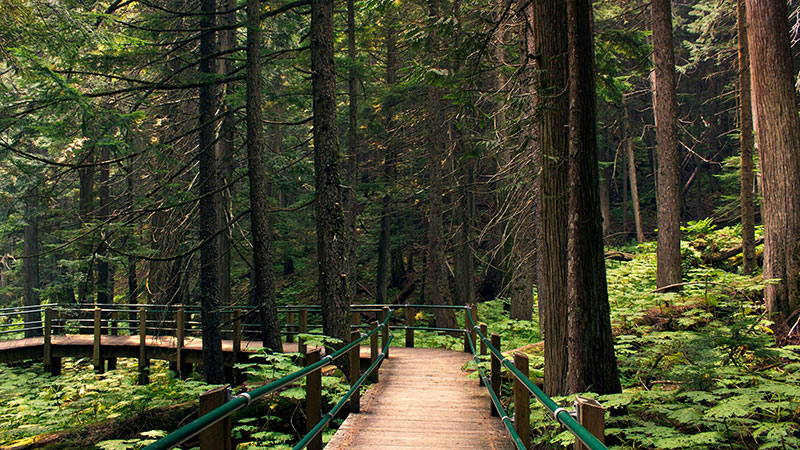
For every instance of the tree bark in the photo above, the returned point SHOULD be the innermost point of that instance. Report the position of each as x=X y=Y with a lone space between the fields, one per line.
x=549 y=23
x=105 y=289
x=592 y=362
x=334 y=296
x=746 y=143
x=385 y=266
x=668 y=253
x=778 y=137
x=634 y=184
x=435 y=123
x=30 y=263
x=207 y=181
x=351 y=164
x=260 y=220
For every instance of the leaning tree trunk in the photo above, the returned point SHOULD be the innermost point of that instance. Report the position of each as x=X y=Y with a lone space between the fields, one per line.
x=333 y=289
x=778 y=140
x=592 y=363
x=549 y=23
x=668 y=253
x=260 y=221
x=634 y=184
x=209 y=284
x=746 y=144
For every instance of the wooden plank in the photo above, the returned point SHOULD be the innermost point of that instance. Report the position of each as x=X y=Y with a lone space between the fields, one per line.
x=423 y=401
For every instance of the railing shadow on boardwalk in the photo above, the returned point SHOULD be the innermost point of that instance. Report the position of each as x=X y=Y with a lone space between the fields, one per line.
x=171 y=333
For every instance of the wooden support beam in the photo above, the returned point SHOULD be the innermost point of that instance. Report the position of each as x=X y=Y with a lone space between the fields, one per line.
x=467 y=334
x=373 y=351
x=217 y=436
x=522 y=401
x=113 y=323
x=48 y=349
x=385 y=331
x=144 y=375
x=592 y=416
x=355 y=372
x=495 y=371
x=313 y=399
x=484 y=330
x=290 y=326
x=98 y=332
x=302 y=328
x=409 y=327
x=238 y=376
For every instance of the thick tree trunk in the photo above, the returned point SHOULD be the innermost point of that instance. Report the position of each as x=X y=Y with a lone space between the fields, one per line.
x=634 y=184
x=207 y=180
x=85 y=205
x=351 y=165
x=260 y=220
x=224 y=153
x=592 y=363
x=333 y=291
x=385 y=265
x=105 y=294
x=435 y=123
x=778 y=139
x=746 y=144
x=30 y=263
x=668 y=268
x=550 y=41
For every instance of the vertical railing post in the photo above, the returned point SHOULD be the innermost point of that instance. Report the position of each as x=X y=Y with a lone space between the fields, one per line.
x=484 y=330
x=143 y=363
x=355 y=320
x=385 y=331
x=313 y=399
x=48 y=330
x=373 y=351
x=355 y=369
x=290 y=326
x=98 y=331
x=237 y=343
x=409 y=327
x=180 y=341
x=217 y=436
x=302 y=328
x=522 y=401
x=592 y=416
x=467 y=334
x=113 y=322
x=495 y=371
x=474 y=334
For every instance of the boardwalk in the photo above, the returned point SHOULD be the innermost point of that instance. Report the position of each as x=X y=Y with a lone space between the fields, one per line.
x=423 y=400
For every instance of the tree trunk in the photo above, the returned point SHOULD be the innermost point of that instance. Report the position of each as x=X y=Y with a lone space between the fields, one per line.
x=634 y=184
x=260 y=220
x=550 y=42
x=385 y=265
x=333 y=289
x=30 y=263
x=351 y=167
x=224 y=152
x=592 y=363
x=435 y=123
x=668 y=254
x=85 y=205
x=746 y=144
x=778 y=137
x=207 y=181
x=605 y=183
x=104 y=282
x=463 y=255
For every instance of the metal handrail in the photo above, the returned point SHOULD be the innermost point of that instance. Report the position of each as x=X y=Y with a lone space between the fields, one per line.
x=561 y=415
x=193 y=428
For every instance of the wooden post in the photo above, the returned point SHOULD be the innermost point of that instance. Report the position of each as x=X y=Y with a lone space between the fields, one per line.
x=495 y=375
x=48 y=349
x=313 y=399
x=592 y=416
x=144 y=377
x=112 y=330
x=472 y=333
x=467 y=333
x=237 y=344
x=180 y=341
x=385 y=331
x=409 y=327
x=355 y=371
x=98 y=324
x=302 y=328
x=217 y=436
x=373 y=352
x=522 y=401
x=290 y=327
x=56 y=319
x=484 y=330
x=355 y=320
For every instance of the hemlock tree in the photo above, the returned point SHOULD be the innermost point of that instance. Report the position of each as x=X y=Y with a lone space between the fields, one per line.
x=746 y=144
x=778 y=138
x=668 y=269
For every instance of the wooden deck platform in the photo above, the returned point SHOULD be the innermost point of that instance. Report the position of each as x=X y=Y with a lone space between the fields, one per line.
x=423 y=400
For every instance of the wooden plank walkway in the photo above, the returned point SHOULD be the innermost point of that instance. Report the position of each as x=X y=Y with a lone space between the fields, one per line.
x=423 y=400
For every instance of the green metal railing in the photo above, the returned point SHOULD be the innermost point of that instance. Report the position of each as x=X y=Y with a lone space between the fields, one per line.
x=240 y=401
x=561 y=415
